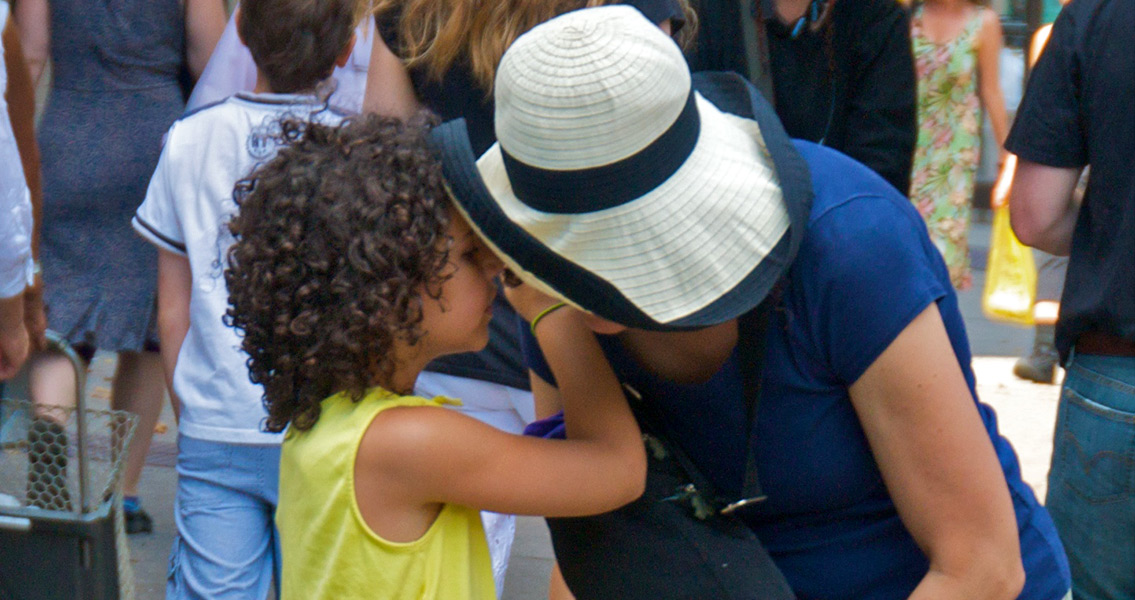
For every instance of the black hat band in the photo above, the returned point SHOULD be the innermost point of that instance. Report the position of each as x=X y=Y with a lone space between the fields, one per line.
x=599 y=188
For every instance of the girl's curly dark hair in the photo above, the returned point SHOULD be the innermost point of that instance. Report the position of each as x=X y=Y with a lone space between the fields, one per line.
x=337 y=237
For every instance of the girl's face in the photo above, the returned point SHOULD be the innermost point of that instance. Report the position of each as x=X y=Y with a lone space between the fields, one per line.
x=457 y=321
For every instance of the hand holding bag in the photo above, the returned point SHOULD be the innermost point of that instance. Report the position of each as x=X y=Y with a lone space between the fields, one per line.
x=1010 y=278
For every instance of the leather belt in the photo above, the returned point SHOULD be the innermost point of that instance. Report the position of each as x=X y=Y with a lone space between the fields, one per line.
x=1104 y=344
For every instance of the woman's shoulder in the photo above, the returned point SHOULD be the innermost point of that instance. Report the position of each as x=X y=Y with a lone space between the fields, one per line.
x=986 y=22
x=987 y=16
x=863 y=235
x=840 y=184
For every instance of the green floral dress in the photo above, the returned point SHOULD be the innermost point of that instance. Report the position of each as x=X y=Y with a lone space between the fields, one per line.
x=949 y=141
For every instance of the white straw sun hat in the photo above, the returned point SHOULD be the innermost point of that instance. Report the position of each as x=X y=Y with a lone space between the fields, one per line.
x=618 y=187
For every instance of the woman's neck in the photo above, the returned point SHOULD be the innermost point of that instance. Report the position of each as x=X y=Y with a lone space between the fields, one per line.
x=789 y=11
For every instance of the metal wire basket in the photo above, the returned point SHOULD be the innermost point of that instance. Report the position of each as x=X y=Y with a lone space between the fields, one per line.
x=65 y=460
x=61 y=530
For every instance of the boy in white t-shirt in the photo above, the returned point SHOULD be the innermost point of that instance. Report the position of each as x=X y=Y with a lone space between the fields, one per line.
x=227 y=464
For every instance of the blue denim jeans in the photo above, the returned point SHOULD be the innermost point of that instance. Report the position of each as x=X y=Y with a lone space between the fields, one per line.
x=226 y=545
x=1091 y=486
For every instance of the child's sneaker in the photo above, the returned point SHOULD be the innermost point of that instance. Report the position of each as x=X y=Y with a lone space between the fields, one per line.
x=137 y=519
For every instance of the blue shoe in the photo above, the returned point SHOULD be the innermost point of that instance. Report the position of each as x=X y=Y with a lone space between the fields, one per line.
x=137 y=519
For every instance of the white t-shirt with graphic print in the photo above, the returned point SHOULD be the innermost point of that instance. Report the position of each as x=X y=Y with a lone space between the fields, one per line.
x=187 y=207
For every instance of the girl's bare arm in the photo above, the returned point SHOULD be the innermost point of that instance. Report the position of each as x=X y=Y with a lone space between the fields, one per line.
x=426 y=455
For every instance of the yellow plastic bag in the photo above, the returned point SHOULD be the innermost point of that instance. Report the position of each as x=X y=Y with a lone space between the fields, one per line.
x=1010 y=278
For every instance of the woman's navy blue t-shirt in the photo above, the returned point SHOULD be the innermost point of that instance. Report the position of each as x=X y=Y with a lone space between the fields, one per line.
x=865 y=270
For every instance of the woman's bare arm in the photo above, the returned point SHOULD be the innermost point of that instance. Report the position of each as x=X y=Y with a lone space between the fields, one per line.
x=389 y=91
x=204 y=22
x=940 y=466
x=33 y=17
x=989 y=46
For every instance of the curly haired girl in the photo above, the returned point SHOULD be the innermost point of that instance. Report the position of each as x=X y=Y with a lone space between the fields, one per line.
x=350 y=272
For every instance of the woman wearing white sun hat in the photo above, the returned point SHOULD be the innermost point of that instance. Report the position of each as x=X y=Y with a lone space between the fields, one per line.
x=625 y=187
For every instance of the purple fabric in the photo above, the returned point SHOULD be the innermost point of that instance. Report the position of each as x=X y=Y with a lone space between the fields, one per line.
x=551 y=428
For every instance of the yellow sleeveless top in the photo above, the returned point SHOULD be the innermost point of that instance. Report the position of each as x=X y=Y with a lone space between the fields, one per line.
x=329 y=552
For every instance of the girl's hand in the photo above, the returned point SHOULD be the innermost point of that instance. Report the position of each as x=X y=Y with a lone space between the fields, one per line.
x=525 y=299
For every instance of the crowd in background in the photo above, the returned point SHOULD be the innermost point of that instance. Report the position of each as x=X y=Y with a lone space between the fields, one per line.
x=273 y=217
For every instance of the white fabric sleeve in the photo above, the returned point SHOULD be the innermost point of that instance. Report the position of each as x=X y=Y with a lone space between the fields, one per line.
x=16 y=267
x=157 y=218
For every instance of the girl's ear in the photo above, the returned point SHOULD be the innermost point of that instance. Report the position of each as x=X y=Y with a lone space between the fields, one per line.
x=602 y=326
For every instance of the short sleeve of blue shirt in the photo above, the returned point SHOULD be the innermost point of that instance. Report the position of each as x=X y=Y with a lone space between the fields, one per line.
x=865 y=270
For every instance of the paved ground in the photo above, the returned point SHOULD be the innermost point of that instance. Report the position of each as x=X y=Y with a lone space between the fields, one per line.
x=1026 y=412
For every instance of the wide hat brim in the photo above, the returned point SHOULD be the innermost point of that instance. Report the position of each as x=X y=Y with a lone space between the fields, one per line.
x=535 y=262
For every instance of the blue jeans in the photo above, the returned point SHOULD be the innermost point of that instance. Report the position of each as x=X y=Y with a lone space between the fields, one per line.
x=226 y=545
x=1091 y=486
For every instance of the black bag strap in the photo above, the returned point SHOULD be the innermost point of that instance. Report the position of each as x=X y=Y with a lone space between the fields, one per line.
x=752 y=334
x=752 y=330
x=652 y=425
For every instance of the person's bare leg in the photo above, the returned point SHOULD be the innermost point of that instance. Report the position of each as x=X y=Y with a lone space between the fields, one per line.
x=138 y=387
x=51 y=386
x=51 y=382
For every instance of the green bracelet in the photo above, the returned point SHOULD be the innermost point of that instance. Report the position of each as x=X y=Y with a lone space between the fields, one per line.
x=547 y=311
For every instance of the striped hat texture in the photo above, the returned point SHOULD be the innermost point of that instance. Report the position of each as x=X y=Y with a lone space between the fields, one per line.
x=616 y=185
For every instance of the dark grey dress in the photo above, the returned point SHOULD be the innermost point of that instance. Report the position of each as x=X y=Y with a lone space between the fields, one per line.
x=114 y=94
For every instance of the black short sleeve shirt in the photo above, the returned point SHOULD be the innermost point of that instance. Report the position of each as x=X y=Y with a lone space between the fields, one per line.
x=1078 y=110
x=854 y=92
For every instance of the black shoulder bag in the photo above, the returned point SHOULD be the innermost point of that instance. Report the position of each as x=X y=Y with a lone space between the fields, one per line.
x=680 y=540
